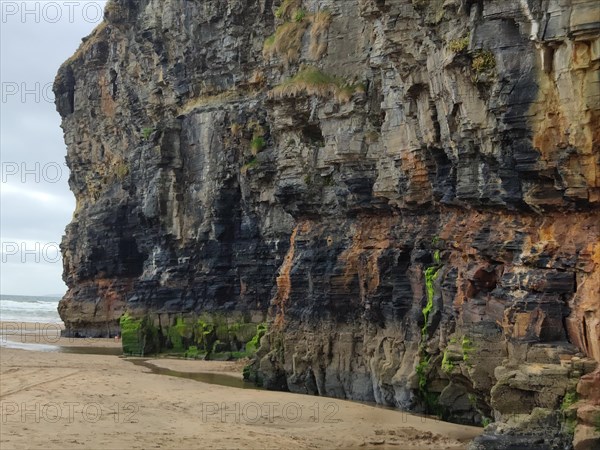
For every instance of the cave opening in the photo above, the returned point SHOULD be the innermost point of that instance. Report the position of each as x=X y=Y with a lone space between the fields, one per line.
x=313 y=134
x=132 y=260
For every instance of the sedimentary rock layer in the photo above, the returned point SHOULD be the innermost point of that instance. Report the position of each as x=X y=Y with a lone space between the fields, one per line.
x=408 y=191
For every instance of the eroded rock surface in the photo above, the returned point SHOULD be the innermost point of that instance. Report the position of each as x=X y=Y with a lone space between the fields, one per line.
x=408 y=191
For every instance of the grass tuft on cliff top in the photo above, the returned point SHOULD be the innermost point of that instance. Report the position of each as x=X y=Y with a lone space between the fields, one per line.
x=320 y=25
x=286 y=42
x=147 y=132
x=299 y=15
x=483 y=61
x=459 y=45
x=249 y=165
x=287 y=8
x=121 y=170
x=257 y=144
x=311 y=81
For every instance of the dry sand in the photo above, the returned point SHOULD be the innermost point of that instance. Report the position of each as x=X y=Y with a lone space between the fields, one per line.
x=68 y=400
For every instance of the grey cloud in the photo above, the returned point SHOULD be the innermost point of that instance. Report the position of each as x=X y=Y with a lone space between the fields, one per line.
x=31 y=52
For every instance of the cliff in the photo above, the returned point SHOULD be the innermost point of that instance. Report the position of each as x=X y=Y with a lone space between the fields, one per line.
x=407 y=191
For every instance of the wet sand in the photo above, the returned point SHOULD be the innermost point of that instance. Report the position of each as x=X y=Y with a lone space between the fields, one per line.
x=54 y=399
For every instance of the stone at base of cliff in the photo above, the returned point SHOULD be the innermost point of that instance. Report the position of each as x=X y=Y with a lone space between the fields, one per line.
x=589 y=387
x=538 y=431
x=586 y=438
x=587 y=432
x=273 y=378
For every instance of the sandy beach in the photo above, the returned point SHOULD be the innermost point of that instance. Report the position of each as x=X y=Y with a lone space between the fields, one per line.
x=53 y=399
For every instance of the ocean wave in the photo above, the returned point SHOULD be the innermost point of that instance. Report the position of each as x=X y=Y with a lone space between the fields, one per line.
x=29 y=299
x=29 y=309
x=12 y=305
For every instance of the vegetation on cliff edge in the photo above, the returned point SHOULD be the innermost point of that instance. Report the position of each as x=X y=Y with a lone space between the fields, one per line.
x=311 y=81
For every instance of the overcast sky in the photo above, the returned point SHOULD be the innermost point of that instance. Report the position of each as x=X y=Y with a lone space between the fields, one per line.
x=35 y=201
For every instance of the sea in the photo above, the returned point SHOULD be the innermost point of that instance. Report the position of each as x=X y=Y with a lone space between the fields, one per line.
x=27 y=308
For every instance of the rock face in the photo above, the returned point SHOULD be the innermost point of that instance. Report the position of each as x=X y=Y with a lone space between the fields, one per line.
x=407 y=190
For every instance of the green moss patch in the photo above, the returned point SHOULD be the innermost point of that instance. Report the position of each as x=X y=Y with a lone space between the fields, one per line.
x=205 y=337
x=132 y=335
x=431 y=274
x=422 y=370
x=569 y=400
x=253 y=344
x=447 y=364
x=467 y=347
